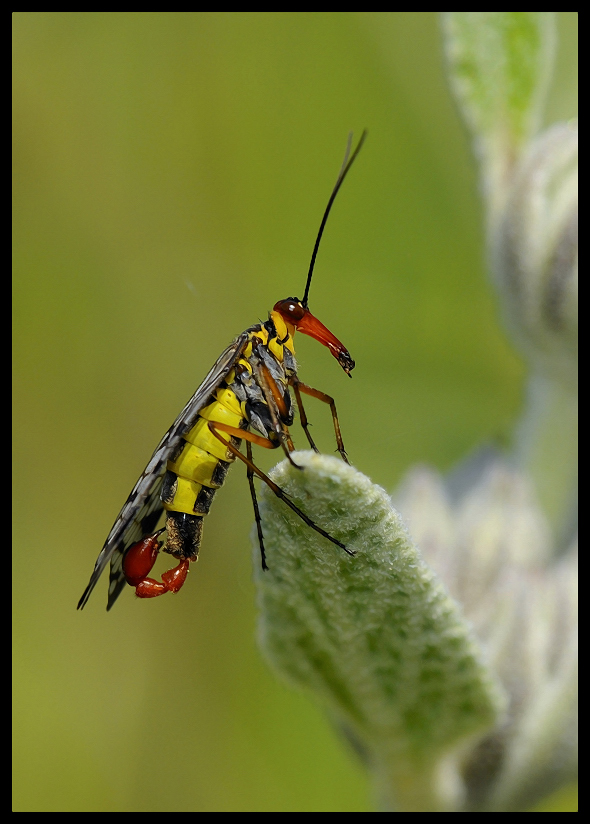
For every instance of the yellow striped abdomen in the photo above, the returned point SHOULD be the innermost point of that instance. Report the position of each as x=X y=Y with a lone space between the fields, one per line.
x=203 y=460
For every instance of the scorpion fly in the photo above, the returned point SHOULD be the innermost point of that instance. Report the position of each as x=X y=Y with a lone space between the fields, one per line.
x=246 y=396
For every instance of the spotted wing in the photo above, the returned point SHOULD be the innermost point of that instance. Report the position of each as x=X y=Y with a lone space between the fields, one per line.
x=143 y=507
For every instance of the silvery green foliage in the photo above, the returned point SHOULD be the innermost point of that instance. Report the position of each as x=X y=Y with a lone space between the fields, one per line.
x=447 y=650
x=534 y=250
x=499 y=67
x=388 y=651
x=483 y=531
x=375 y=637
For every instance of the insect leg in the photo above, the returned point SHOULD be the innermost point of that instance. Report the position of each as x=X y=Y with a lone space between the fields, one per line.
x=302 y=416
x=277 y=408
x=242 y=434
x=250 y=474
x=249 y=436
x=321 y=396
x=272 y=389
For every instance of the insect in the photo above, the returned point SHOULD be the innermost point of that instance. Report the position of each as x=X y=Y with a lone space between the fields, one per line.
x=248 y=388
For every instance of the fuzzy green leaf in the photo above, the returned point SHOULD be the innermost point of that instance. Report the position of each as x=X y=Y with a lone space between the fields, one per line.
x=375 y=637
x=499 y=65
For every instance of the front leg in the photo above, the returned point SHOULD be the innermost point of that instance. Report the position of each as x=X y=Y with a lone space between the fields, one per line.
x=298 y=388
x=276 y=407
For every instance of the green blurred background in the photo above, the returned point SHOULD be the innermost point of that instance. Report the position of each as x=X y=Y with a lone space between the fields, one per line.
x=171 y=170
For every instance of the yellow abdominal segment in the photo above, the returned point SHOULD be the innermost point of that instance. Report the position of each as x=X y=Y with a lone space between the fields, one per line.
x=185 y=497
x=194 y=464
x=199 y=459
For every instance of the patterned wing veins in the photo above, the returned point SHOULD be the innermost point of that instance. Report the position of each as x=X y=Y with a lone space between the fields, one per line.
x=143 y=507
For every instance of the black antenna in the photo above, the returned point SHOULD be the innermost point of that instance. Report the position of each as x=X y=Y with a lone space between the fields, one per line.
x=346 y=164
